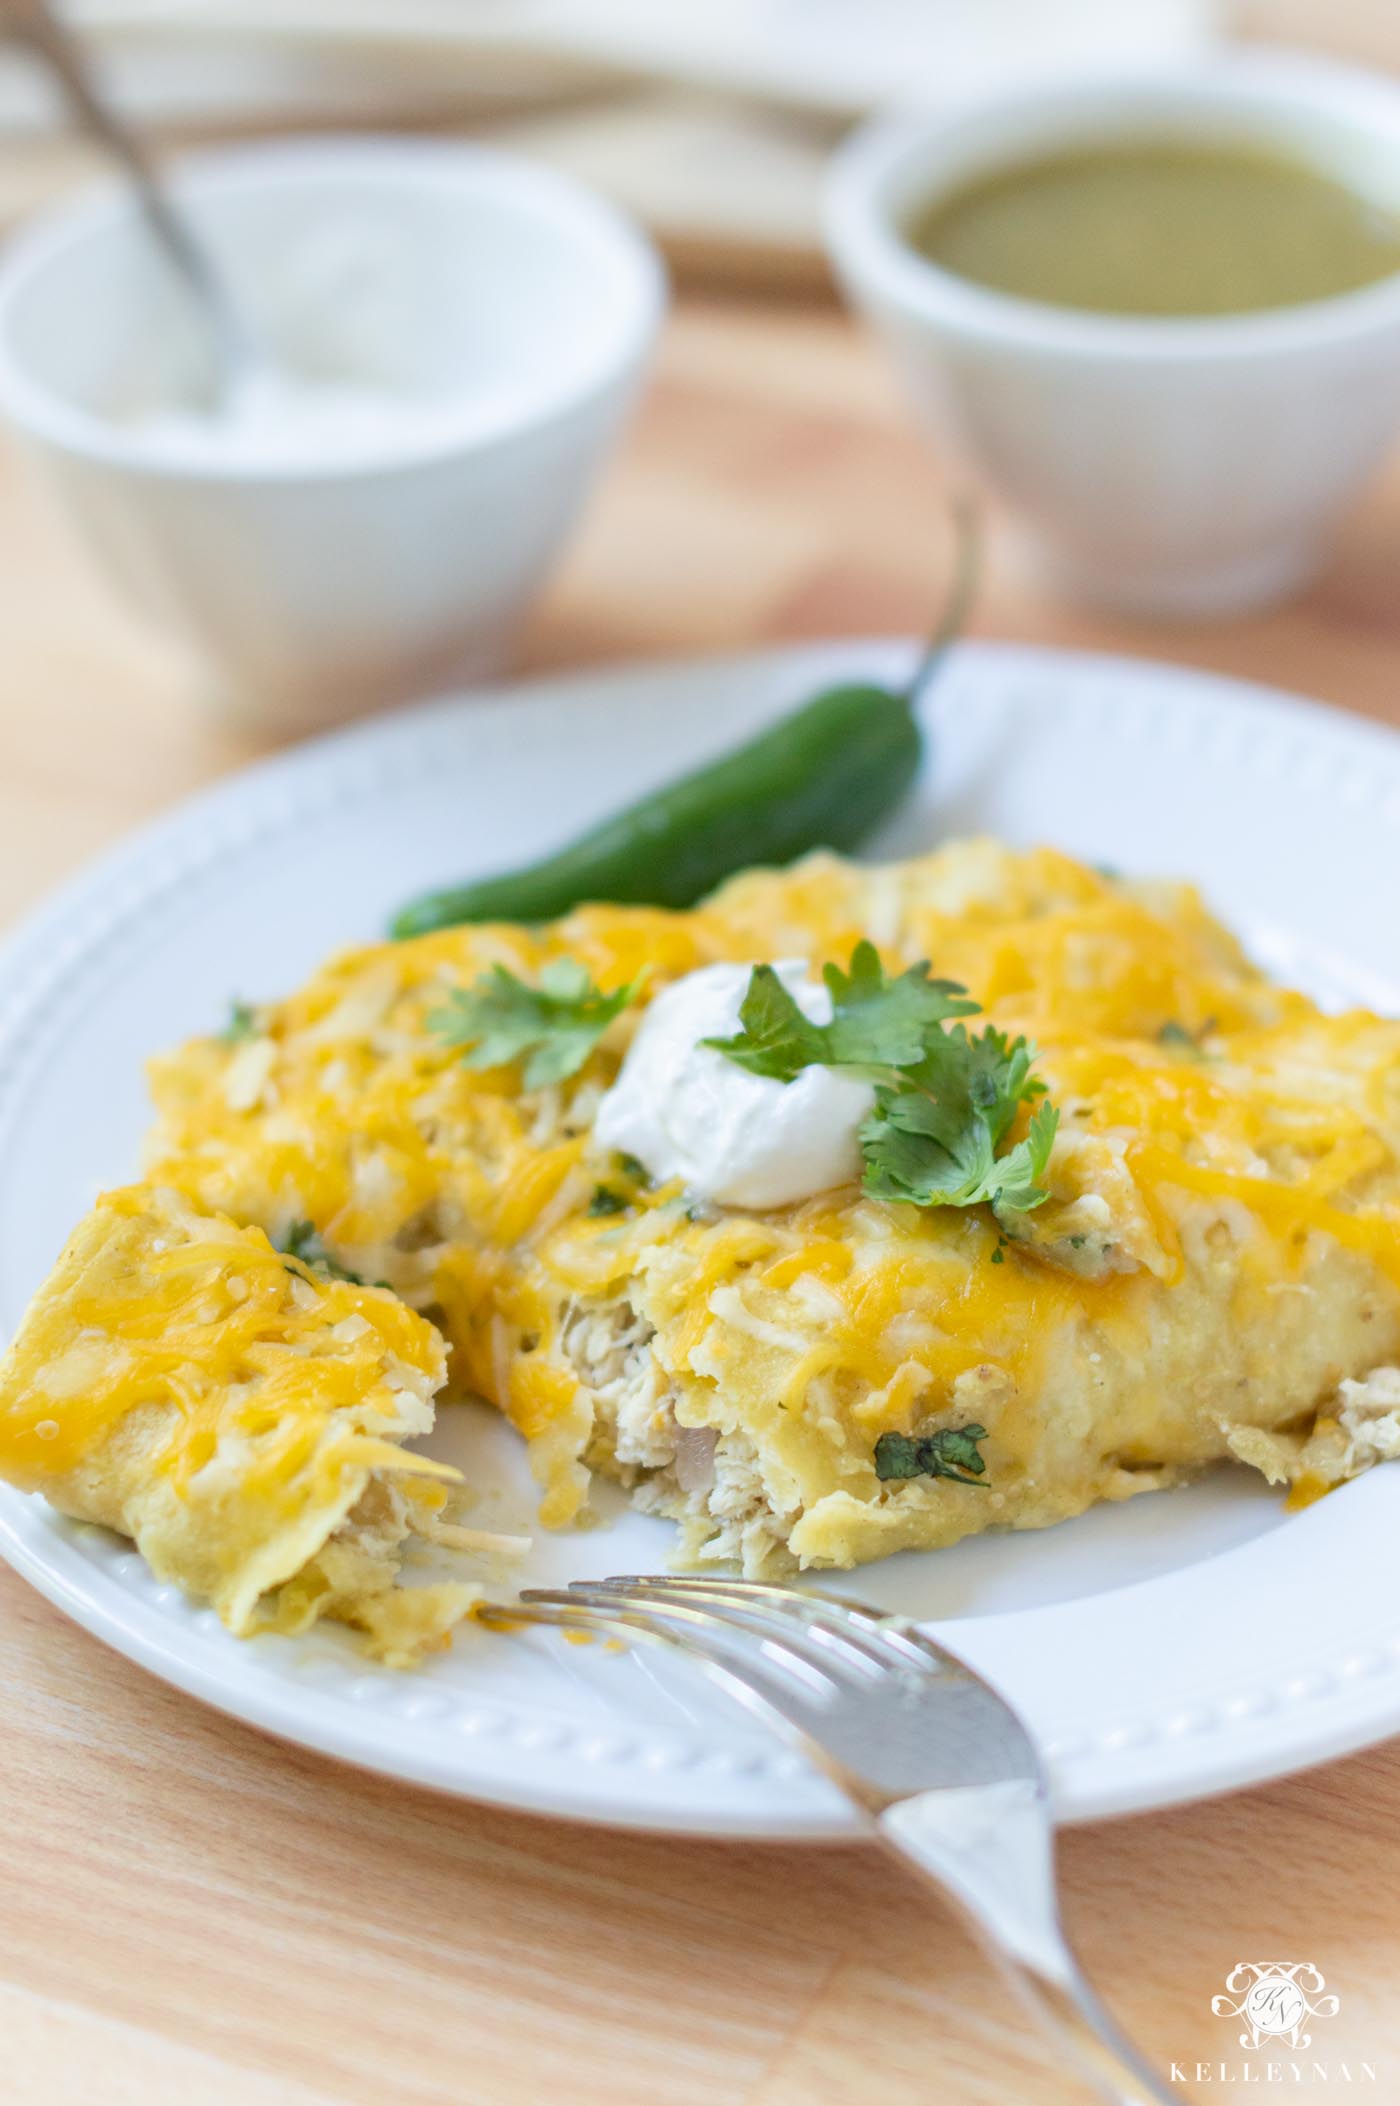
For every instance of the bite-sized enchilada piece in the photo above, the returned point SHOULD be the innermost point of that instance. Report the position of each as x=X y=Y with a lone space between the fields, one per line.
x=1205 y=1264
x=239 y=1416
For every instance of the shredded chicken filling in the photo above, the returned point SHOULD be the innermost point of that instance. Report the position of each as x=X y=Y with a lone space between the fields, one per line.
x=709 y=1481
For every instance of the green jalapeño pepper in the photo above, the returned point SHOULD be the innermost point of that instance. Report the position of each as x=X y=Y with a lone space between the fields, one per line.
x=822 y=777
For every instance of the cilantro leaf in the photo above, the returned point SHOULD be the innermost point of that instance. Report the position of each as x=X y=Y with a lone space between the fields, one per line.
x=1020 y=1172
x=876 y=1022
x=776 y=1038
x=945 y=1099
x=879 y=1022
x=1179 y=1039
x=607 y=1200
x=551 y=1028
x=242 y=1023
x=303 y=1241
x=933 y=1142
x=952 y=1452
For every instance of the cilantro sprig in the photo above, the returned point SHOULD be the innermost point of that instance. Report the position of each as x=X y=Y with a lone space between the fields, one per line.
x=242 y=1023
x=951 y=1452
x=550 y=1029
x=945 y=1098
x=304 y=1241
x=933 y=1140
x=1179 y=1038
x=876 y=1022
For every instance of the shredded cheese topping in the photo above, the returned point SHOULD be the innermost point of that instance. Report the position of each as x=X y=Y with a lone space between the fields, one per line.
x=472 y=1199
x=244 y=1343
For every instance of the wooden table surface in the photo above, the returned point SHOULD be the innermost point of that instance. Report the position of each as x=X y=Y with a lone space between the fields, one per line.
x=193 y=1915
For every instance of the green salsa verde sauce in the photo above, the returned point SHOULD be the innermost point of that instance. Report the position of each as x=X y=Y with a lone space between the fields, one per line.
x=1166 y=227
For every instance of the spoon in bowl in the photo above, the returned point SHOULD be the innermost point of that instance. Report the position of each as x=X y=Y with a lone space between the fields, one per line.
x=240 y=365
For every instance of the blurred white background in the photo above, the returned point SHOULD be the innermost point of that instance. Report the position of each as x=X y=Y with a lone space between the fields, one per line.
x=709 y=119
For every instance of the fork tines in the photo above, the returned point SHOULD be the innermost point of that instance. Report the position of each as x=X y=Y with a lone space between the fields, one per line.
x=812 y=1634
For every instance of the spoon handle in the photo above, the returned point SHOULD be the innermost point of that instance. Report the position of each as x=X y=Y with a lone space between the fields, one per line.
x=37 y=25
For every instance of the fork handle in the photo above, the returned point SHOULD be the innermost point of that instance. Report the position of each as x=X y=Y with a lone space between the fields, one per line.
x=990 y=1850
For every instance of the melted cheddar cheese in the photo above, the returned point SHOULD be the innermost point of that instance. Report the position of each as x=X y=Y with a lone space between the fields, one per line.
x=237 y=1415
x=1220 y=1248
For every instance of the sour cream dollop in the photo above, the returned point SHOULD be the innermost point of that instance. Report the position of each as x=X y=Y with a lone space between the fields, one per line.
x=276 y=417
x=685 y=1110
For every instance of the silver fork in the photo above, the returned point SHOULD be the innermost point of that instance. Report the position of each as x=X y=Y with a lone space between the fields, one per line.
x=936 y=1761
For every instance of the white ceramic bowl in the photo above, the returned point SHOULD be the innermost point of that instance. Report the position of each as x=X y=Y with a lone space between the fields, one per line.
x=1172 y=466
x=514 y=310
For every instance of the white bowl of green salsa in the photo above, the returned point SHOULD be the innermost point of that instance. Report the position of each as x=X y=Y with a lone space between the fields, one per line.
x=1160 y=313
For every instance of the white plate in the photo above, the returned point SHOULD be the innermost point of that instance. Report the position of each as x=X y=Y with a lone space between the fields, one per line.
x=1173 y=1646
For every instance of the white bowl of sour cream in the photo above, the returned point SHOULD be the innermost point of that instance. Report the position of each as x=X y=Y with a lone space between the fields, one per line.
x=455 y=336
